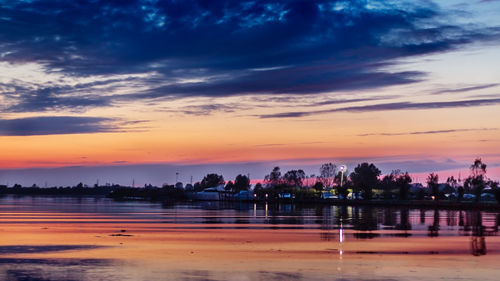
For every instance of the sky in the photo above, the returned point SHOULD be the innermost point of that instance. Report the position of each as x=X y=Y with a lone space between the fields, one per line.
x=137 y=91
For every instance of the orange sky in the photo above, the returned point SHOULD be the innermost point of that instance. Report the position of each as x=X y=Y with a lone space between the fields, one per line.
x=392 y=96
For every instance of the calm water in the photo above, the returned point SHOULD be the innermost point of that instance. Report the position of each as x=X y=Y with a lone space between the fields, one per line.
x=53 y=238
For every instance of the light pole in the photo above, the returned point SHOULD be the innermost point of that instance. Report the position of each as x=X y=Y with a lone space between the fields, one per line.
x=343 y=168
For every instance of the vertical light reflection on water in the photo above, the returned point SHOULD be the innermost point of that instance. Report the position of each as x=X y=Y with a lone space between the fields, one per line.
x=266 y=209
x=341 y=250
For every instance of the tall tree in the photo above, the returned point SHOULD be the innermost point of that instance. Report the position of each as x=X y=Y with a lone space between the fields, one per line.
x=452 y=182
x=388 y=184
x=327 y=174
x=274 y=178
x=477 y=179
x=364 y=179
x=403 y=181
x=433 y=184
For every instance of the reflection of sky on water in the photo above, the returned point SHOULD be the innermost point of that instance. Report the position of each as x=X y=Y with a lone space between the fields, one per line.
x=396 y=222
x=336 y=226
x=58 y=269
x=24 y=249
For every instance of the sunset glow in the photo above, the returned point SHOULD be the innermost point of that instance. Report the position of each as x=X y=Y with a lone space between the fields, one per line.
x=197 y=88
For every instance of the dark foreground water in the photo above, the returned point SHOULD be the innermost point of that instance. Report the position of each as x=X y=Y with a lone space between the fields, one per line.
x=54 y=238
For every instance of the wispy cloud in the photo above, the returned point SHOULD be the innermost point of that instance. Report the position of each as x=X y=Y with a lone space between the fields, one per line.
x=269 y=145
x=429 y=132
x=389 y=107
x=352 y=100
x=467 y=89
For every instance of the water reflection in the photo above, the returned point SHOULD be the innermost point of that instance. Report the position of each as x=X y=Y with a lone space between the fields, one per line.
x=434 y=228
x=59 y=269
x=365 y=222
x=478 y=243
x=354 y=222
x=30 y=249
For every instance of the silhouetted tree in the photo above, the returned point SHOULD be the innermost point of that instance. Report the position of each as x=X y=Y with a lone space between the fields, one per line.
x=388 y=184
x=229 y=186
x=477 y=179
x=432 y=183
x=274 y=178
x=452 y=182
x=493 y=184
x=241 y=182
x=212 y=180
x=294 y=178
x=364 y=179
x=403 y=183
x=396 y=180
x=327 y=174
x=258 y=187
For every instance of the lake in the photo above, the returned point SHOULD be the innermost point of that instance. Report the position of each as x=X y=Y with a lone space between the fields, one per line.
x=61 y=238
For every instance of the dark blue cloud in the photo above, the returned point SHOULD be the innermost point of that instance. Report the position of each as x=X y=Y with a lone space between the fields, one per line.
x=49 y=99
x=54 y=125
x=293 y=80
x=32 y=97
x=251 y=47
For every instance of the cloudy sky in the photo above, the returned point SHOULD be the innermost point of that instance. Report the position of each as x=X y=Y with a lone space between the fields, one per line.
x=122 y=90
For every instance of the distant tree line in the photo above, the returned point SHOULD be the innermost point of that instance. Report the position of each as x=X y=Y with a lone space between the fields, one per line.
x=365 y=182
